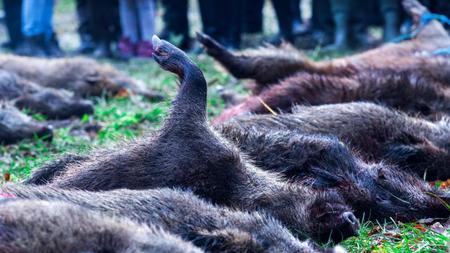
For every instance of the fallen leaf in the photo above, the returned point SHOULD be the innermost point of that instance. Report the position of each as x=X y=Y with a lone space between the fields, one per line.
x=7 y=176
x=393 y=235
x=375 y=230
x=420 y=227
x=122 y=93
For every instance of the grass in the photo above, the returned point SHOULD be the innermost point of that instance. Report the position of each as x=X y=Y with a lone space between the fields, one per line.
x=130 y=117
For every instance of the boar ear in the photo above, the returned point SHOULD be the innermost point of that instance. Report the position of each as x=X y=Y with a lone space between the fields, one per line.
x=319 y=183
x=404 y=154
x=230 y=240
x=381 y=174
x=325 y=179
x=423 y=108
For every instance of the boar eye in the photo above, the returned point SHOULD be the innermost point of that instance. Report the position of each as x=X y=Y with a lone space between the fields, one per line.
x=380 y=198
x=381 y=175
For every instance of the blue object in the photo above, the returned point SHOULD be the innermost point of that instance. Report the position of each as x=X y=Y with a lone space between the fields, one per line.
x=442 y=51
x=37 y=17
x=424 y=20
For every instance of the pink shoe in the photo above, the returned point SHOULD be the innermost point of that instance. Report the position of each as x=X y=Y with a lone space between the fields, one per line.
x=145 y=49
x=126 y=48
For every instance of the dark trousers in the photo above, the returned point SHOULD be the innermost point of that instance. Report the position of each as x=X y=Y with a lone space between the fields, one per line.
x=13 y=21
x=285 y=17
x=176 y=17
x=84 y=19
x=322 y=19
x=296 y=12
x=222 y=20
x=285 y=10
x=103 y=19
x=253 y=19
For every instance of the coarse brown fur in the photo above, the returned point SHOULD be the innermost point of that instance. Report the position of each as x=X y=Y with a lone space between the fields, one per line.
x=16 y=126
x=269 y=65
x=85 y=77
x=375 y=190
x=53 y=227
x=375 y=132
x=409 y=91
x=210 y=227
x=187 y=153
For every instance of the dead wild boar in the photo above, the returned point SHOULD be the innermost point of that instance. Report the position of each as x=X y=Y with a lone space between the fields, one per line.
x=84 y=77
x=53 y=103
x=187 y=153
x=408 y=91
x=269 y=65
x=41 y=226
x=376 y=191
x=373 y=131
x=16 y=126
x=210 y=227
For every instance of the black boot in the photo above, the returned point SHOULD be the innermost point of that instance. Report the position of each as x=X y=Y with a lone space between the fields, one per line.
x=341 y=32
x=87 y=44
x=52 y=47
x=103 y=50
x=361 y=38
x=32 y=46
x=391 y=26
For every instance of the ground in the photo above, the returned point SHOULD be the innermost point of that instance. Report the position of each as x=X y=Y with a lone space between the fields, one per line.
x=125 y=118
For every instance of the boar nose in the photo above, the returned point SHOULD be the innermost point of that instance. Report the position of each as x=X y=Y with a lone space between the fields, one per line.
x=87 y=108
x=350 y=218
x=46 y=133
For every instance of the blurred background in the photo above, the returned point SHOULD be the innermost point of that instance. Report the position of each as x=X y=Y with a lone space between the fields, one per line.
x=123 y=28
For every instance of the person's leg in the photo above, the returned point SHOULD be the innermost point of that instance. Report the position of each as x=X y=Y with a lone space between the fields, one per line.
x=209 y=18
x=298 y=26
x=129 y=23
x=52 y=44
x=84 y=27
x=391 y=15
x=322 y=22
x=176 y=22
x=146 y=15
x=83 y=16
x=129 y=20
x=13 y=12
x=47 y=18
x=359 y=22
x=33 y=29
x=341 y=17
x=32 y=13
x=253 y=18
x=231 y=22
x=285 y=18
x=105 y=16
x=251 y=23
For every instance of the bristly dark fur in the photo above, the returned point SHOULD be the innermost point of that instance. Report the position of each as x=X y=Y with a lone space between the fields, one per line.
x=187 y=153
x=213 y=228
x=47 y=172
x=53 y=227
x=375 y=132
x=375 y=191
x=16 y=126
